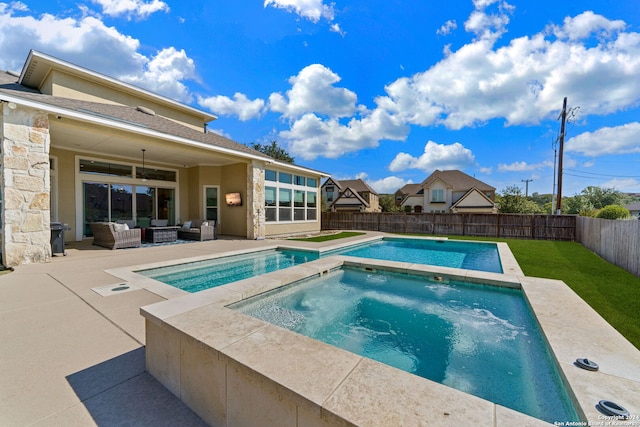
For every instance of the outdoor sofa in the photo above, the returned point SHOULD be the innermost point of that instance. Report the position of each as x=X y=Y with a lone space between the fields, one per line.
x=115 y=236
x=197 y=230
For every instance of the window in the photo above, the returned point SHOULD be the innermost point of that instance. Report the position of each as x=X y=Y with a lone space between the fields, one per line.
x=288 y=199
x=284 y=204
x=437 y=196
x=211 y=204
x=329 y=191
x=312 y=206
x=312 y=182
x=156 y=174
x=95 y=167
x=271 y=213
x=285 y=178
x=299 y=213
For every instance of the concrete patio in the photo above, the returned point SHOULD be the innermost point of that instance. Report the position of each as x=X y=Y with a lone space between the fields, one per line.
x=71 y=357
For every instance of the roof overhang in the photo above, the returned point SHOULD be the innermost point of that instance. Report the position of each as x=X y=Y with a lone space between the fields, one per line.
x=39 y=65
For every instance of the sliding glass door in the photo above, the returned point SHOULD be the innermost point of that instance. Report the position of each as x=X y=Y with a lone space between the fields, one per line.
x=104 y=202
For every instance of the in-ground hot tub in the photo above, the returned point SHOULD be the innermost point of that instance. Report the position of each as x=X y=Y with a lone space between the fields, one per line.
x=234 y=369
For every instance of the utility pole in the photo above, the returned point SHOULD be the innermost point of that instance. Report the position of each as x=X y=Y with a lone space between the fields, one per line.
x=526 y=181
x=563 y=116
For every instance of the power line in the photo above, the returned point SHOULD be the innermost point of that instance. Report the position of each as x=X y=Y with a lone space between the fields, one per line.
x=603 y=174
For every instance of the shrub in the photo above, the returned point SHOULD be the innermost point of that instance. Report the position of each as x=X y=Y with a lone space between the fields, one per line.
x=614 y=212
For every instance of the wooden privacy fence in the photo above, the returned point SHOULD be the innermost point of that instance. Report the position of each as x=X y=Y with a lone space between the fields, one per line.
x=617 y=242
x=539 y=227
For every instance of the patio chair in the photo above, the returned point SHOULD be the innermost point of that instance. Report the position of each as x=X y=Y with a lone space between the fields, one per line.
x=115 y=236
x=198 y=230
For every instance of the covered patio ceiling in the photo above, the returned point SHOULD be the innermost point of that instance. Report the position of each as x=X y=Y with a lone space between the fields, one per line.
x=74 y=135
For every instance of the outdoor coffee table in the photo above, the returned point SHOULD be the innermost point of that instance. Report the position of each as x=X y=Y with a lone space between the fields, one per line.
x=161 y=234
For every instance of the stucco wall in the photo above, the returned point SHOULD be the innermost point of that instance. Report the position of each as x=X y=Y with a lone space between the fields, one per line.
x=67 y=86
x=234 y=218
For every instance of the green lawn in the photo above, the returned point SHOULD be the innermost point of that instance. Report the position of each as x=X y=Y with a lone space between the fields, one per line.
x=610 y=290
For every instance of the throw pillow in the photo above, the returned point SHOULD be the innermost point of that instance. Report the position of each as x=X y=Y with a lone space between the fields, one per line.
x=204 y=224
x=186 y=225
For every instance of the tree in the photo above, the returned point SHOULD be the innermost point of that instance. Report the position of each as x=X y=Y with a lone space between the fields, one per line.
x=614 y=212
x=273 y=150
x=513 y=201
x=388 y=203
x=599 y=197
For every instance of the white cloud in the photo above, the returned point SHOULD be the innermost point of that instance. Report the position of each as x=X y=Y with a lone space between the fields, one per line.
x=388 y=185
x=435 y=156
x=524 y=81
x=337 y=29
x=312 y=10
x=240 y=106
x=88 y=42
x=447 y=28
x=313 y=91
x=311 y=136
x=586 y=24
x=625 y=185
x=165 y=73
x=131 y=8
x=622 y=139
x=524 y=166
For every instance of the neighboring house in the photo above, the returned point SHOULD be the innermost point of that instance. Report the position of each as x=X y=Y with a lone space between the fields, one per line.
x=79 y=147
x=352 y=195
x=410 y=196
x=450 y=191
x=634 y=209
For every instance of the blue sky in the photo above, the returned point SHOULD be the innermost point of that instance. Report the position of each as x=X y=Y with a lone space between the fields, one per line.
x=384 y=91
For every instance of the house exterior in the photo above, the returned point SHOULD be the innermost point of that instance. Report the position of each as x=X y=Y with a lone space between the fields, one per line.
x=634 y=209
x=410 y=197
x=80 y=147
x=352 y=195
x=449 y=191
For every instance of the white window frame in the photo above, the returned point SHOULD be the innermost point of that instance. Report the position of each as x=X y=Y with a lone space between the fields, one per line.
x=292 y=187
x=434 y=193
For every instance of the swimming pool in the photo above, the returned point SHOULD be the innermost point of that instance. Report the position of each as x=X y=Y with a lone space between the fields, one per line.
x=480 y=339
x=200 y=275
x=482 y=256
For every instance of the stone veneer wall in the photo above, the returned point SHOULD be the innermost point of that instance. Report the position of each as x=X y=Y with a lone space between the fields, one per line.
x=25 y=186
x=255 y=201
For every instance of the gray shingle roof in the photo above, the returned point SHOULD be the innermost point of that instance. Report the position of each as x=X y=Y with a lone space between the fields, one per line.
x=9 y=85
x=456 y=180
x=355 y=184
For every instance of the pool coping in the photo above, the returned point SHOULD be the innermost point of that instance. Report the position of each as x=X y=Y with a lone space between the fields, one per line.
x=328 y=382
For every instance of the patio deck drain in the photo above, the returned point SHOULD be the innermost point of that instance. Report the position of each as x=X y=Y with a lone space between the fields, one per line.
x=120 y=288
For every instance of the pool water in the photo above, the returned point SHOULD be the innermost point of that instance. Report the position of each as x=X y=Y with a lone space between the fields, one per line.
x=197 y=276
x=201 y=275
x=444 y=253
x=476 y=338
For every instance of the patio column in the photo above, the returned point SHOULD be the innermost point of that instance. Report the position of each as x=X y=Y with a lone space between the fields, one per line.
x=255 y=201
x=25 y=186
